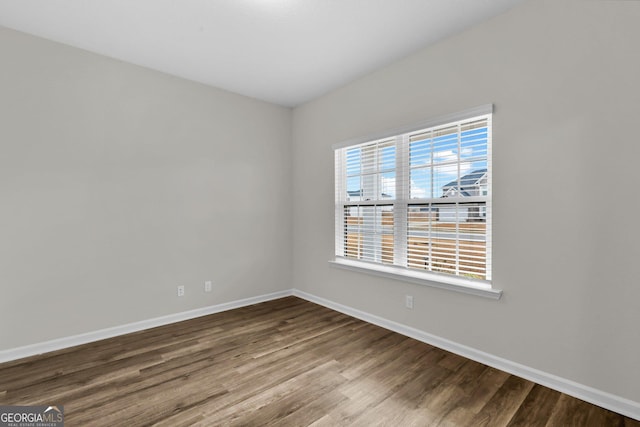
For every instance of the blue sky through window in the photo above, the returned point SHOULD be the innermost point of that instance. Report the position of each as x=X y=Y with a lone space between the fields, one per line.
x=435 y=158
x=371 y=168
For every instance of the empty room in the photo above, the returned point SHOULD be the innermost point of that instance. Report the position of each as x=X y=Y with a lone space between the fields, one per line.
x=319 y=213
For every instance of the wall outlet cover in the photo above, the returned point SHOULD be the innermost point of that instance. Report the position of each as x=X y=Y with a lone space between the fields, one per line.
x=408 y=301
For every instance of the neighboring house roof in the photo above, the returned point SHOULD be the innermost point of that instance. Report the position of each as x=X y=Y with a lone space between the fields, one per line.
x=469 y=180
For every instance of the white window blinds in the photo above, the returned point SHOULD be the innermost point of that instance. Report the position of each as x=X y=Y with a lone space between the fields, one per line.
x=419 y=200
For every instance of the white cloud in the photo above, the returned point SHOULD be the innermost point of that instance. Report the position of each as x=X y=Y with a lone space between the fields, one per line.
x=388 y=185
x=444 y=155
x=450 y=171
x=418 y=192
x=467 y=151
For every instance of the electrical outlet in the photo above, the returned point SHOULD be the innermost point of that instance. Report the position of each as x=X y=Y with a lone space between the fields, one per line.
x=408 y=301
x=181 y=291
x=207 y=286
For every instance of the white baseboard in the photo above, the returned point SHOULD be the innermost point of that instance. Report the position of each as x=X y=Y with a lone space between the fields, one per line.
x=600 y=398
x=66 y=342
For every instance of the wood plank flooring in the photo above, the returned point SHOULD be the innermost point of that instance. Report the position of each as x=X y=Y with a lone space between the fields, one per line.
x=286 y=362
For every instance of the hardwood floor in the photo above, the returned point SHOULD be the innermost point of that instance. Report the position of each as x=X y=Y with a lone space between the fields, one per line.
x=287 y=362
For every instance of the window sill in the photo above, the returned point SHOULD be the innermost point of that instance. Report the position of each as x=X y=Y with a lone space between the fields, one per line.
x=456 y=284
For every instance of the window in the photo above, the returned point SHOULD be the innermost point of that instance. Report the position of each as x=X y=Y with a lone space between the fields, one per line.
x=418 y=203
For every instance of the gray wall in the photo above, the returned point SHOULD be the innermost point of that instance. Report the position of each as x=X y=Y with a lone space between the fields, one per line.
x=563 y=76
x=118 y=183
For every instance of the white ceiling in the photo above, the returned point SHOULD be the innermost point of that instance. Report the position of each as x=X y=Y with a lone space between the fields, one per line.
x=282 y=51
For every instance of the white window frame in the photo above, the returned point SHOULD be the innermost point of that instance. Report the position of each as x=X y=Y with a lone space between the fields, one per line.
x=453 y=282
